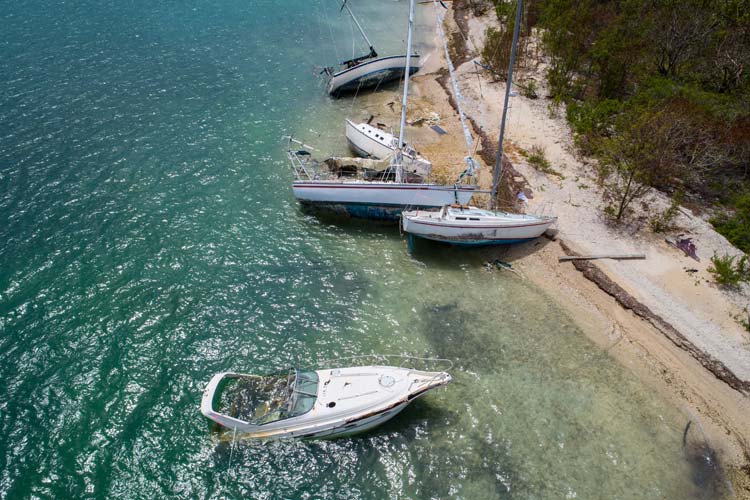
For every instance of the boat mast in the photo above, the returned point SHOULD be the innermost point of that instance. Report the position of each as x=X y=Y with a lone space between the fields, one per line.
x=372 y=49
x=471 y=165
x=399 y=158
x=498 y=159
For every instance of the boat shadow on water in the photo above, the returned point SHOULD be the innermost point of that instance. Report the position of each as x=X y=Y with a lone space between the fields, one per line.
x=444 y=256
x=429 y=253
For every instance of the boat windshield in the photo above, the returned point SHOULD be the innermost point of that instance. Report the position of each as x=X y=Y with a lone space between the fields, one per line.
x=269 y=398
x=290 y=394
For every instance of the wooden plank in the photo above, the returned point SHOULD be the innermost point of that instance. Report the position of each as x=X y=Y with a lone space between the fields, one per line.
x=626 y=256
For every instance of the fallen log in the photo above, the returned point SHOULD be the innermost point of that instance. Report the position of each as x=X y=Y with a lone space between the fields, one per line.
x=625 y=256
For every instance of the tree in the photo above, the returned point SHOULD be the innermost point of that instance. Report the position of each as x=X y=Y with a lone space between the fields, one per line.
x=642 y=155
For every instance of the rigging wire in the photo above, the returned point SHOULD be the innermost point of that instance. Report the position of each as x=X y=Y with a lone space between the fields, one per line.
x=471 y=164
x=330 y=31
x=354 y=45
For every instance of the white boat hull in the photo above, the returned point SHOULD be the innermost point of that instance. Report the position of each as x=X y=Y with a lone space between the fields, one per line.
x=371 y=142
x=363 y=144
x=347 y=401
x=377 y=200
x=520 y=228
x=359 y=426
x=370 y=73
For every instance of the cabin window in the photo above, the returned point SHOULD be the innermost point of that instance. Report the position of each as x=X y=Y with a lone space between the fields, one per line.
x=460 y=218
x=284 y=395
x=473 y=218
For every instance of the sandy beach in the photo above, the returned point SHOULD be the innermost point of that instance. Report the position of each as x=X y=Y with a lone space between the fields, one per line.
x=662 y=317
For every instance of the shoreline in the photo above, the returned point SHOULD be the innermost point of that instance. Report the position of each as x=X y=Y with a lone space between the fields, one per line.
x=602 y=299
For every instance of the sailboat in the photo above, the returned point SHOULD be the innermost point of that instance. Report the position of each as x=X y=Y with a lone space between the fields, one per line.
x=368 y=70
x=373 y=142
x=467 y=225
x=367 y=188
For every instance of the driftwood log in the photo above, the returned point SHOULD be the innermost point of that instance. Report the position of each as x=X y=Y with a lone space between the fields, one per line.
x=626 y=256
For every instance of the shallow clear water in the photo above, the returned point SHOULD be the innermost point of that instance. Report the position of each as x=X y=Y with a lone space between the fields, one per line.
x=150 y=239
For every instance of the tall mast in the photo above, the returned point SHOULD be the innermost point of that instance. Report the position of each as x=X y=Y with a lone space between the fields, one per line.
x=399 y=166
x=470 y=164
x=499 y=159
x=346 y=6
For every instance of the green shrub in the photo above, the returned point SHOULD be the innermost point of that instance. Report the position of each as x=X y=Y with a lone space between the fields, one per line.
x=745 y=321
x=736 y=227
x=592 y=117
x=496 y=50
x=529 y=89
x=728 y=273
x=538 y=159
x=479 y=7
x=664 y=222
x=504 y=10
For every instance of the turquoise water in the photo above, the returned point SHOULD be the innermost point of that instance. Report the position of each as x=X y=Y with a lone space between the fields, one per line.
x=150 y=239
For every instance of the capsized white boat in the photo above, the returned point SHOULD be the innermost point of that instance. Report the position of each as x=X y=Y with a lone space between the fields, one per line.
x=314 y=404
x=373 y=142
x=466 y=225
x=366 y=71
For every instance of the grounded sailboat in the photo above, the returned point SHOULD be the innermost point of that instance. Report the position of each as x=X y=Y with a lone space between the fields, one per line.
x=373 y=142
x=374 y=190
x=363 y=188
x=366 y=71
x=314 y=404
x=466 y=225
x=472 y=226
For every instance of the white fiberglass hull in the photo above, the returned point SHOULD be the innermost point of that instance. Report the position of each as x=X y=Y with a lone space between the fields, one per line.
x=370 y=73
x=515 y=228
x=377 y=200
x=371 y=142
x=347 y=401
x=359 y=138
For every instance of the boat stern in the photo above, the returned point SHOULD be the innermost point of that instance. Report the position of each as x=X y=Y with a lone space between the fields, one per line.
x=210 y=393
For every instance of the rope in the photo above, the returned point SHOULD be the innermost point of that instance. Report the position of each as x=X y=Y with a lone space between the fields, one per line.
x=231 y=447
x=330 y=32
x=351 y=29
x=354 y=99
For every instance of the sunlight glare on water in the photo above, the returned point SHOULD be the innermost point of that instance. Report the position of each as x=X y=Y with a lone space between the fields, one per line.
x=150 y=239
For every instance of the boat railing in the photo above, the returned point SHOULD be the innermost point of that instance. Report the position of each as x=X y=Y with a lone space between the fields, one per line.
x=544 y=210
x=308 y=169
x=398 y=360
x=301 y=170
